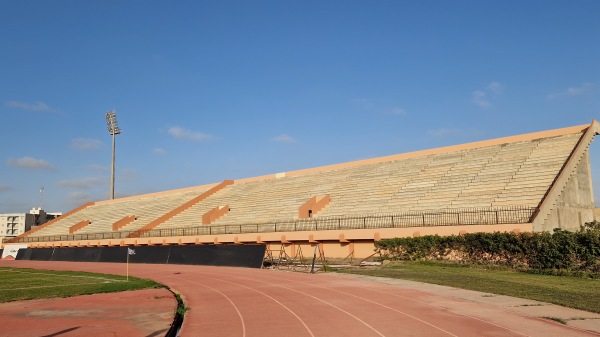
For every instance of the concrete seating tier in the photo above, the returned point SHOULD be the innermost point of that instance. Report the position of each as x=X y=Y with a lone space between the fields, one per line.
x=500 y=175
x=103 y=215
x=517 y=173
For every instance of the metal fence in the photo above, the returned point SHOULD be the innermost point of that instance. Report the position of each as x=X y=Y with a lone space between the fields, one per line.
x=447 y=217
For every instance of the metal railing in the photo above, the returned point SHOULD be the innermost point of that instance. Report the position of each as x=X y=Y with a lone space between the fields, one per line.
x=447 y=217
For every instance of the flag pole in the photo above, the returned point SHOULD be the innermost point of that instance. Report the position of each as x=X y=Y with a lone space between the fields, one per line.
x=129 y=252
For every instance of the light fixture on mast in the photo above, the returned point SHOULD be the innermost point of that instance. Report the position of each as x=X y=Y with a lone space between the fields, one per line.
x=113 y=129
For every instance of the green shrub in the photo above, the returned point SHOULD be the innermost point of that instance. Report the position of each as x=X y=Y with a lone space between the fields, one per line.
x=556 y=253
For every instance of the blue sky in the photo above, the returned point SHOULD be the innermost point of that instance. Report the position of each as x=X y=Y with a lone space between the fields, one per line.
x=212 y=90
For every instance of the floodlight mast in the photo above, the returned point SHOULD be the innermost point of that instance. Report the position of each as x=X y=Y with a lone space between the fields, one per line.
x=113 y=129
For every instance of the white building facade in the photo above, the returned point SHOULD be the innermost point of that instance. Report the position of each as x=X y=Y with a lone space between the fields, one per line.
x=15 y=224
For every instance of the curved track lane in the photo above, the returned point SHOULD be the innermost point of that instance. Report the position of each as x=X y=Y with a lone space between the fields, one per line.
x=254 y=302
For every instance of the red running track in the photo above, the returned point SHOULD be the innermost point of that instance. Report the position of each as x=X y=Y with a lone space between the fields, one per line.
x=260 y=303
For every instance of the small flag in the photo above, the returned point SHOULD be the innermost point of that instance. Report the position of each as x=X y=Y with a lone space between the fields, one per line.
x=130 y=251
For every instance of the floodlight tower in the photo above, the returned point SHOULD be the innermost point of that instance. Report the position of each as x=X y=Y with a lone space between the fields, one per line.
x=113 y=130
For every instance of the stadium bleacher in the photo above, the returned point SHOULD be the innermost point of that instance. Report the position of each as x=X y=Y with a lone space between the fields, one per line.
x=512 y=172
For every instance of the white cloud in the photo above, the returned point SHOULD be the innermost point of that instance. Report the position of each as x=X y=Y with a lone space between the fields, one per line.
x=37 y=106
x=496 y=87
x=181 y=133
x=284 y=138
x=483 y=97
x=159 y=151
x=573 y=91
x=30 y=163
x=4 y=187
x=85 y=144
x=480 y=99
x=84 y=183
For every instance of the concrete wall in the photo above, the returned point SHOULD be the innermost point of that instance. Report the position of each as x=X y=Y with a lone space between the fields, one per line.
x=575 y=204
x=339 y=244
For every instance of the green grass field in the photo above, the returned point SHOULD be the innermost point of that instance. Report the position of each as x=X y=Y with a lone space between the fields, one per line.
x=24 y=284
x=574 y=292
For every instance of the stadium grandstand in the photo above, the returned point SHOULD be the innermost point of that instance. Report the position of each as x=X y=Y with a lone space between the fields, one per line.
x=530 y=182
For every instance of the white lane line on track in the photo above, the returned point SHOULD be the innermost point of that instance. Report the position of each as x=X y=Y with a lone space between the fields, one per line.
x=414 y=300
x=162 y=275
x=226 y=297
x=390 y=308
x=376 y=303
x=66 y=276
x=54 y=286
x=318 y=299
x=440 y=307
x=260 y=292
x=425 y=303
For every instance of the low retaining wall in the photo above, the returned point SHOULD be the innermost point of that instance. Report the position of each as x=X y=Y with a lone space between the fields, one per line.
x=250 y=256
x=357 y=243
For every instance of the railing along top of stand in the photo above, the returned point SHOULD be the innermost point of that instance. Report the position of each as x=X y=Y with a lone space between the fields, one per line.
x=443 y=217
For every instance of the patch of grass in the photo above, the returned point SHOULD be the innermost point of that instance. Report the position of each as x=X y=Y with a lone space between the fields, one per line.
x=556 y=319
x=18 y=284
x=574 y=292
x=181 y=308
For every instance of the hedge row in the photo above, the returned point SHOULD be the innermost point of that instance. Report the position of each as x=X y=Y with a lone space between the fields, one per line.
x=561 y=250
